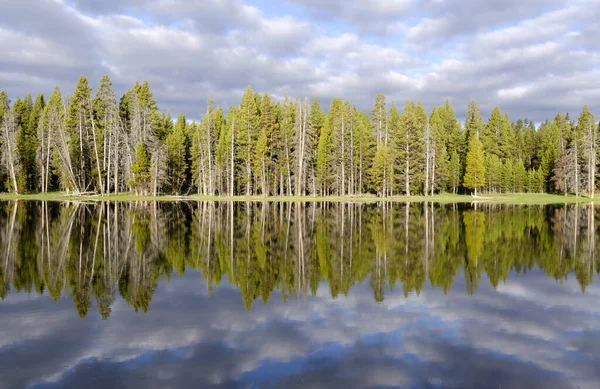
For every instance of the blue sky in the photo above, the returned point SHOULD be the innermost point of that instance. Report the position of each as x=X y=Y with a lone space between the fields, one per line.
x=531 y=58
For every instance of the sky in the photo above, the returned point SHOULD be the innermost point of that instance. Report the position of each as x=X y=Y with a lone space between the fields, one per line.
x=532 y=58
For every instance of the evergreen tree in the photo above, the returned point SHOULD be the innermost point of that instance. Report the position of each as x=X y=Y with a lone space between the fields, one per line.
x=177 y=156
x=262 y=158
x=490 y=134
x=323 y=177
x=27 y=141
x=559 y=174
x=248 y=118
x=141 y=171
x=475 y=166
x=410 y=147
x=107 y=135
x=588 y=134
x=493 y=169
x=454 y=169
x=473 y=122
x=78 y=126
x=284 y=147
x=316 y=120
x=379 y=122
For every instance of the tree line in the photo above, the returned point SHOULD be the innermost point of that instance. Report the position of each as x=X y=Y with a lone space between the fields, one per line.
x=97 y=144
x=97 y=251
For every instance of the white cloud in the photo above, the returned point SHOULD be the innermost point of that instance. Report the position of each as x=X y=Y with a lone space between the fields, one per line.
x=523 y=55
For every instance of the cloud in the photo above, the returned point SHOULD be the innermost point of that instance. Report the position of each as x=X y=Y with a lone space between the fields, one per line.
x=511 y=337
x=533 y=58
x=376 y=16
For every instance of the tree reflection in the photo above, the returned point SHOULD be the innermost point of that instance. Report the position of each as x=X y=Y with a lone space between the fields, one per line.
x=93 y=250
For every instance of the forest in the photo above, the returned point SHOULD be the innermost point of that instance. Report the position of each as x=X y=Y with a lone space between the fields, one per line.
x=95 y=144
x=98 y=251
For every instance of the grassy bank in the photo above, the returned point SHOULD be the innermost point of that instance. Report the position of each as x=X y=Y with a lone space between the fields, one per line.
x=529 y=198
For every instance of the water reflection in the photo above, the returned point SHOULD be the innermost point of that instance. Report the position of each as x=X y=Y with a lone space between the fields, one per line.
x=96 y=250
x=483 y=307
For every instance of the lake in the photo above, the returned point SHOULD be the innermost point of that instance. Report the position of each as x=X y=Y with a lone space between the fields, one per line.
x=298 y=295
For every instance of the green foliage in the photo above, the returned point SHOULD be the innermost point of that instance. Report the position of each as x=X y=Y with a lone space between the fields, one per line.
x=177 y=156
x=475 y=166
x=27 y=141
x=89 y=145
x=289 y=247
x=141 y=171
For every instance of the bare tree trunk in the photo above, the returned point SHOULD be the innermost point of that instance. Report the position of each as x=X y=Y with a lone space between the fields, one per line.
x=289 y=168
x=576 y=157
x=232 y=154
x=209 y=147
x=96 y=150
x=407 y=172
x=427 y=158
x=592 y=162
x=155 y=176
x=352 y=188
x=81 y=156
x=116 y=161
x=10 y=131
x=343 y=159
x=302 y=145
x=360 y=169
x=433 y=173
x=47 y=170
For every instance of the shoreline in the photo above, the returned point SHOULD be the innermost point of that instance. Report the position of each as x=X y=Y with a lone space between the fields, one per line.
x=526 y=198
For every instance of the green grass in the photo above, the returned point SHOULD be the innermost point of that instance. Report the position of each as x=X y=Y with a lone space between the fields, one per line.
x=529 y=198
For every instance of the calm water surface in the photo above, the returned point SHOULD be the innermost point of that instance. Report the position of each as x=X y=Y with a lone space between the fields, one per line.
x=287 y=295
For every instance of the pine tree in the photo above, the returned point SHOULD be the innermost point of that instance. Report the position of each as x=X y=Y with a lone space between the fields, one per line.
x=380 y=125
x=493 y=169
x=78 y=126
x=107 y=133
x=177 y=156
x=302 y=140
x=4 y=105
x=262 y=156
x=549 y=148
x=588 y=136
x=475 y=166
x=316 y=120
x=452 y=134
x=438 y=147
x=364 y=150
x=410 y=147
x=490 y=134
x=506 y=139
x=559 y=173
x=508 y=177
x=248 y=118
x=141 y=171
x=27 y=140
x=520 y=177
x=323 y=177
x=473 y=122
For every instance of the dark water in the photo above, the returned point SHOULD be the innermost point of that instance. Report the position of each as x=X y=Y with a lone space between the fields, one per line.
x=286 y=295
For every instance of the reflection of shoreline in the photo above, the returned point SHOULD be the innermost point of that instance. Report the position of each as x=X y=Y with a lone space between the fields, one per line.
x=445 y=198
x=95 y=250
